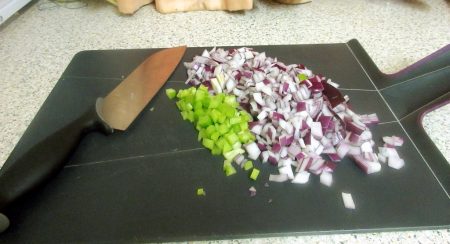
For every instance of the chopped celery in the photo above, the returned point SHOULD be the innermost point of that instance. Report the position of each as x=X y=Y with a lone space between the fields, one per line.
x=237 y=145
x=235 y=120
x=254 y=174
x=215 y=115
x=221 y=127
x=232 y=138
x=226 y=109
x=220 y=142
x=248 y=165
x=171 y=93
x=215 y=136
x=228 y=168
x=214 y=103
x=210 y=130
x=216 y=151
x=302 y=77
x=233 y=153
x=204 y=121
x=231 y=100
x=226 y=147
x=208 y=143
x=244 y=126
x=201 y=192
x=236 y=128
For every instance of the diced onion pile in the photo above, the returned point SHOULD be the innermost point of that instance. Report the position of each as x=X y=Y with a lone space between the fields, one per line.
x=301 y=121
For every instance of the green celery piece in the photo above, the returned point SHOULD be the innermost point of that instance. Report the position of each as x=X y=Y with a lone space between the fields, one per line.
x=226 y=161
x=198 y=113
x=171 y=93
x=237 y=145
x=204 y=121
x=215 y=115
x=216 y=151
x=222 y=118
x=214 y=102
x=246 y=136
x=191 y=116
x=235 y=120
x=248 y=165
x=254 y=174
x=245 y=116
x=226 y=147
x=202 y=88
x=227 y=110
x=215 y=136
x=210 y=130
x=200 y=95
x=228 y=168
x=232 y=154
x=220 y=143
x=208 y=143
x=302 y=77
x=188 y=106
x=232 y=138
x=180 y=105
x=201 y=192
x=243 y=126
x=243 y=137
x=230 y=100
x=251 y=137
x=223 y=129
x=198 y=105
x=236 y=128
x=220 y=97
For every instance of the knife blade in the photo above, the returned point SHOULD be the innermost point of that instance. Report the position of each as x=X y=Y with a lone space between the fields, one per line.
x=114 y=112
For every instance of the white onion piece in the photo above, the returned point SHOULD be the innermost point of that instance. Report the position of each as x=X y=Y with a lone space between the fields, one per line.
x=252 y=191
x=278 y=178
x=393 y=140
x=262 y=115
x=366 y=147
x=258 y=98
x=348 y=200
x=265 y=156
x=396 y=162
x=216 y=86
x=326 y=178
x=301 y=177
x=253 y=150
x=287 y=170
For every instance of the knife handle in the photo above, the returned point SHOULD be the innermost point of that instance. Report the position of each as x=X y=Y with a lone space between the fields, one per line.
x=47 y=158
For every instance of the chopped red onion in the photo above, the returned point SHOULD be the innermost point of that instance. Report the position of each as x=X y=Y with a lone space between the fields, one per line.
x=367 y=166
x=393 y=140
x=396 y=162
x=298 y=115
x=301 y=177
x=326 y=178
x=253 y=150
x=348 y=200
x=278 y=178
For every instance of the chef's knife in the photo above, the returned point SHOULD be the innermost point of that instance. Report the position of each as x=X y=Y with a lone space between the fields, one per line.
x=114 y=112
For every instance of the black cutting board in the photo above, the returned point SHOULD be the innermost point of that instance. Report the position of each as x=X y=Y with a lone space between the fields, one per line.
x=140 y=185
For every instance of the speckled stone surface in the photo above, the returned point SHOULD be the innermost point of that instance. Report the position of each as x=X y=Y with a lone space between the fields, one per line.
x=37 y=45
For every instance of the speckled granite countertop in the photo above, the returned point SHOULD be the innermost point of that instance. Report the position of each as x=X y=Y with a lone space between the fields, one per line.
x=37 y=45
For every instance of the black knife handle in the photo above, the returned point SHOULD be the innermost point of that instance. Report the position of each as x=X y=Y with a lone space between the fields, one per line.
x=47 y=157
